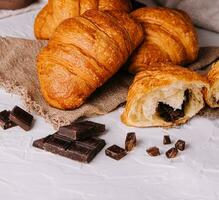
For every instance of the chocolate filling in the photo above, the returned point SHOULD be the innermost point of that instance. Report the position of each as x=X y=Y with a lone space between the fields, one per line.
x=169 y=114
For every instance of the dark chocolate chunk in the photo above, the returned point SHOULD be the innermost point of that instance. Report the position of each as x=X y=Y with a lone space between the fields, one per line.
x=82 y=151
x=180 y=145
x=170 y=114
x=81 y=130
x=115 y=152
x=172 y=153
x=21 y=118
x=166 y=139
x=153 y=151
x=137 y=5
x=130 y=141
x=5 y=122
x=14 y=4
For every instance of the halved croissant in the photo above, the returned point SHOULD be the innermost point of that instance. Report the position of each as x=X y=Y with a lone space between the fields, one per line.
x=83 y=53
x=212 y=95
x=164 y=95
x=57 y=11
x=169 y=37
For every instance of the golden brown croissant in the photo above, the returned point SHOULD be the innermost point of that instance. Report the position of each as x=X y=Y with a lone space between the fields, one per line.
x=83 y=53
x=212 y=95
x=164 y=95
x=169 y=37
x=57 y=11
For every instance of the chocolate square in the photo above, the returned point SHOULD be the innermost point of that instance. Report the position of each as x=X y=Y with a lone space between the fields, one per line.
x=153 y=151
x=5 y=122
x=81 y=130
x=21 y=118
x=115 y=152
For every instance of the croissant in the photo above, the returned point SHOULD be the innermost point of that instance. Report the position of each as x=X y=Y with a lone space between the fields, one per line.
x=169 y=37
x=57 y=11
x=83 y=53
x=212 y=95
x=164 y=95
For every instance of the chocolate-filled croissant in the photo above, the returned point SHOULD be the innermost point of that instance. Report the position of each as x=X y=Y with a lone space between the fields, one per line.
x=164 y=95
x=57 y=11
x=83 y=53
x=169 y=37
x=212 y=95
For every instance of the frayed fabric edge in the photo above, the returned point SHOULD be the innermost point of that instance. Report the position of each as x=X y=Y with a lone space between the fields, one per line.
x=31 y=105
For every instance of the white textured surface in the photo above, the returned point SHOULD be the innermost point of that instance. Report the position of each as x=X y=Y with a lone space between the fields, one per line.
x=27 y=173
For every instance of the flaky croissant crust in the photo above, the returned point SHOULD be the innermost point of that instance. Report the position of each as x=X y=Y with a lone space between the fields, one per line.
x=212 y=95
x=169 y=37
x=83 y=53
x=165 y=83
x=57 y=11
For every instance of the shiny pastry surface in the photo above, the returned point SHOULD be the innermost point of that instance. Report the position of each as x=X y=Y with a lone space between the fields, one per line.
x=169 y=37
x=57 y=11
x=212 y=95
x=164 y=95
x=83 y=53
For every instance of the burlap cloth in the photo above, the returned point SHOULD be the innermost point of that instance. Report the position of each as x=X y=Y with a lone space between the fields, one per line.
x=18 y=75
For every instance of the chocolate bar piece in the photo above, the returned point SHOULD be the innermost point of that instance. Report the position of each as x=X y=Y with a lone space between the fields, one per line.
x=115 y=152
x=14 y=4
x=180 y=145
x=130 y=141
x=5 y=122
x=166 y=139
x=172 y=153
x=82 y=151
x=153 y=151
x=81 y=130
x=21 y=118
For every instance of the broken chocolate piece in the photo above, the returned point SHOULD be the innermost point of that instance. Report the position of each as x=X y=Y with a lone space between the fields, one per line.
x=115 y=152
x=21 y=118
x=166 y=139
x=14 y=4
x=5 y=122
x=81 y=130
x=180 y=145
x=130 y=141
x=153 y=151
x=172 y=153
x=170 y=114
x=82 y=151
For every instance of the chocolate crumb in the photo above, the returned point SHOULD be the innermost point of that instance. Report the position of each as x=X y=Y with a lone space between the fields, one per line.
x=172 y=153
x=130 y=141
x=166 y=139
x=180 y=145
x=153 y=151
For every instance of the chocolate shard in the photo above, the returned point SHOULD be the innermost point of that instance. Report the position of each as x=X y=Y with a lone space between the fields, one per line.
x=82 y=151
x=180 y=145
x=21 y=118
x=115 y=152
x=130 y=141
x=5 y=122
x=81 y=130
x=153 y=151
x=172 y=153
x=166 y=139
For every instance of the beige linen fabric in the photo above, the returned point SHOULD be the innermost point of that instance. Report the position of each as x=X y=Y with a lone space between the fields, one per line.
x=18 y=75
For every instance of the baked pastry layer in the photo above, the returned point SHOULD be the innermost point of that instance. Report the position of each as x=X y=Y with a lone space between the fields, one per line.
x=164 y=95
x=212 y=95
x=169 y=37
x=83 y=53
x=57 y=11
